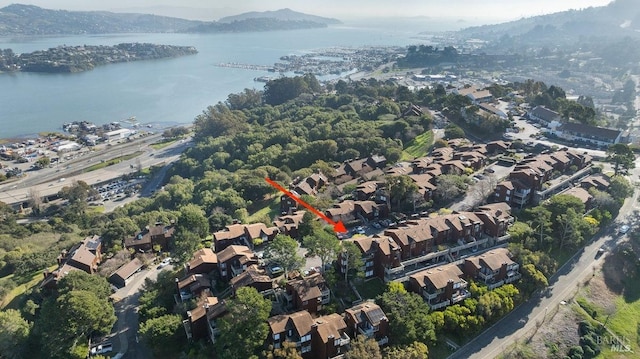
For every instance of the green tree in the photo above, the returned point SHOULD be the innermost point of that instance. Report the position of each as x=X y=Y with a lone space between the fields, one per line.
x=324 y=245
x=244 y=329
x=14 y=332
x=78 y=192
x=409 y=319
x=622 y=158
x=191 y=229
x=532 y=279
x=401 y=190
x=620 y=188
x=68 y=320
x=283 y=250
x=452 y=131
x=449 y=187
x=164 y=335
x=364 y=348
x=415 y=350
x=353 y=257
x=287 y=351
x=80 y=280
x=540 y=222
x=43 y=162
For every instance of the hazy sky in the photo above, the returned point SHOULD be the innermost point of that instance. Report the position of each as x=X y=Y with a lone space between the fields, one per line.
x=342 y=9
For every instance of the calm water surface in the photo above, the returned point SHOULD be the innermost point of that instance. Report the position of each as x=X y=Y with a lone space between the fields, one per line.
x=164 y=91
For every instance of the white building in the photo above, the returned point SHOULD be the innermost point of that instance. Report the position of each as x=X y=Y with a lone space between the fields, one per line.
x=118 y=134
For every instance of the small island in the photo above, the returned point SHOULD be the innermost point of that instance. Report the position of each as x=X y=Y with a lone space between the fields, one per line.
x=67 y=59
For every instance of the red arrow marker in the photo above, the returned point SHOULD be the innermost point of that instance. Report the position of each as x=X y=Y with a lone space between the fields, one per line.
x=337 y=226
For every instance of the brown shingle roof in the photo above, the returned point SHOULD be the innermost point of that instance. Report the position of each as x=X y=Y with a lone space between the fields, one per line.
x=204 y=255
x=440 y=276
x=128 y=269
x=495 y=258
x=234 y=251
x=308 y=288
x=330 y=326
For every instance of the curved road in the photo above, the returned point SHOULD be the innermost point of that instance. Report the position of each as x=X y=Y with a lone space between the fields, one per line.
x=523 y=320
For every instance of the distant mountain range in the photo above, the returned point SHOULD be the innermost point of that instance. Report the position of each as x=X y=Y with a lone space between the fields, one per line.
x=20 y=19
x=282 y=15
x=618 y=19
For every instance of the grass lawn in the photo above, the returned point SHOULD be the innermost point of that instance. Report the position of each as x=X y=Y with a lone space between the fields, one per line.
x=419 y=146
x=113 y=161
x=371 y=288
x=626 y=321
x=14 y=300
x=269 y=207
x=163 y=144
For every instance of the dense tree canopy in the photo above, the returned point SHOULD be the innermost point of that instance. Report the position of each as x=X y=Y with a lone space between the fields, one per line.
x=622 y=158
x=283 y=252
x=14 y=331
x=244 y=329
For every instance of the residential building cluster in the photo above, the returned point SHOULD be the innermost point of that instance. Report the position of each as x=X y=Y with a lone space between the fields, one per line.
x=532 y=179
x=578 y=133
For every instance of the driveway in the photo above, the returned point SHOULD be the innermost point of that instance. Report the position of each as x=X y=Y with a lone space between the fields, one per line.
x=126 y=306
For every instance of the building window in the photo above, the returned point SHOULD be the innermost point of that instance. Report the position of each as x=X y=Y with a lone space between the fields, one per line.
x=306 y=349
x=276 y=336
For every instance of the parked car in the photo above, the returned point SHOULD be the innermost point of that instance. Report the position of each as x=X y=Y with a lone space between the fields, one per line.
x=276 y=270
x=360 y=230
x=623 y=229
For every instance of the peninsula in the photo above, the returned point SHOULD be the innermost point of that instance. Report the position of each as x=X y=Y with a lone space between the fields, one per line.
x=67 y=59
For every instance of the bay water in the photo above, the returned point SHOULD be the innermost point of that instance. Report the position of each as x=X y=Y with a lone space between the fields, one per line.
x=167 y=91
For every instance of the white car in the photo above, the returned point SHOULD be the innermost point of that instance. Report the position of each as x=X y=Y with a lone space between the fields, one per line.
x=623 y=229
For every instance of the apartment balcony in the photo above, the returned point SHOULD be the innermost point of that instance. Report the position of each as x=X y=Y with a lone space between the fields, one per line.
x=520 y=201
x=383 y=341
x=326 y=296
x=185 y=296
x=436 y=306
x=521 y=194
x=388 y=272
x=368 y=332
x=486 y=276
x=236 y=271
x=495 y=285
x=512 y=277
x=287 y=296
x=425 y=257
x=429 y=296
x=460 y=296
x=513 y=267
x=342 y=341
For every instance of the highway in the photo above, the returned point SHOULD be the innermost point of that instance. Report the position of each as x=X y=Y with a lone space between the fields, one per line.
x=48 y=181
x=523 y=320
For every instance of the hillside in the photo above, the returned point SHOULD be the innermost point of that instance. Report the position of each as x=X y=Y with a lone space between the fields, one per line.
x=281 y=15
x=619 y=19
x=32 y=20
